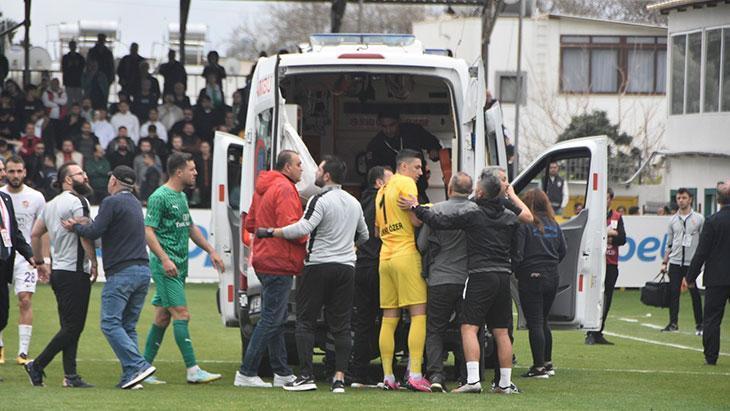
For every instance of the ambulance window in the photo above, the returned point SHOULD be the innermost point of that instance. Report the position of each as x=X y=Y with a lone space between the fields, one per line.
x=264 y=127
x=234 y=162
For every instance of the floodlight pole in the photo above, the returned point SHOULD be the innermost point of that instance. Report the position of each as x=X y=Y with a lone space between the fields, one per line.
x=518 y=98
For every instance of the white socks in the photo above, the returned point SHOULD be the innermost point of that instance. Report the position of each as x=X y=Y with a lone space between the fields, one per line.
x=1 y=339
x=472 y=372
x=505 y=377
x=24 y=333
x=389 y=378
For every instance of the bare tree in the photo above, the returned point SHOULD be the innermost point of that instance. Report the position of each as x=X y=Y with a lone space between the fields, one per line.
x=294 y=23
x=623 y=10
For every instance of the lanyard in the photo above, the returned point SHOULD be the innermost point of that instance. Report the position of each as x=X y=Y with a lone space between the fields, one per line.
x=400 y=139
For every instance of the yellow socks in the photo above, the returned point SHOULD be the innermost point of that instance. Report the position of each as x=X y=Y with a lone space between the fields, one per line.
x=417 y=342
x=387 y=343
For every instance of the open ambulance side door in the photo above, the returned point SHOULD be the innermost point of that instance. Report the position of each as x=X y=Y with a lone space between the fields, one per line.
x=225 y=222
x=488 y=138
x=583 y=166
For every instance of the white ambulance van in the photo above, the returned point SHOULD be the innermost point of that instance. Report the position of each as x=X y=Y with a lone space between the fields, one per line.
x=326 y=100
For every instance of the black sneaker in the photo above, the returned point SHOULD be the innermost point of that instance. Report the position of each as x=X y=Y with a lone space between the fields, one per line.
x=338 y=387
x=35 y=375
x=671 y=328
x=535 y=372
x=549 y=369
x=601 y=340
x=698 y=330
x=302 y=383
x=75 y=381
x=590 y=339
x=438 y=384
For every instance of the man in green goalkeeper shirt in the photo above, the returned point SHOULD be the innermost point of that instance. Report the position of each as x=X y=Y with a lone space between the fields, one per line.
x=168 y=226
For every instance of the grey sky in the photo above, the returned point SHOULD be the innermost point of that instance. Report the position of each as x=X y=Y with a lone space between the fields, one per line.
x=141 y=21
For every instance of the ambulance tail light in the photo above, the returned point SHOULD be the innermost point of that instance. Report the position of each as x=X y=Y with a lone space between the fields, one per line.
x=370 y=56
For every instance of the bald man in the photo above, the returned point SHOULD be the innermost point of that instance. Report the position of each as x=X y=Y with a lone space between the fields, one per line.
x=713 y=252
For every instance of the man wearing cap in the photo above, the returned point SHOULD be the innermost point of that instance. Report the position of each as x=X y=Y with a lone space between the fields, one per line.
x=120 y=224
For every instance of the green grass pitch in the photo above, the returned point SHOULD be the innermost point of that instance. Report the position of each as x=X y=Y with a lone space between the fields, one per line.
x=644 y=370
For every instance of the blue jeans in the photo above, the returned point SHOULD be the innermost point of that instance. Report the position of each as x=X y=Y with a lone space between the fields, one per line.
x=121 y=303
x=269 y=330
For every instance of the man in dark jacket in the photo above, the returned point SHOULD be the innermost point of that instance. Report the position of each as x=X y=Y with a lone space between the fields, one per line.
x=616 y=238
x=275 y=203
x=366 y=307
x=713 y=252
x=173 y=72
x=104 y=57
x=72 y=65
x=128 y=70
x=490 y=231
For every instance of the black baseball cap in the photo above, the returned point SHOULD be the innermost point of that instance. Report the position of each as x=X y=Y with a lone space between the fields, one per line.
x=124 y=174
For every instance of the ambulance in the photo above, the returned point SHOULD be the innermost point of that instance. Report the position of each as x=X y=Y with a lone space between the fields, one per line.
x=325 y=100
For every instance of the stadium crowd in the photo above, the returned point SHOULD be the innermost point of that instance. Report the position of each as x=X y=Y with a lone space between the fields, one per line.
x=59 y=121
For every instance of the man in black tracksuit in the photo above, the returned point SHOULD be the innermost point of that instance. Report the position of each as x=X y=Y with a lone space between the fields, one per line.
x=490 y=233
x=713 y=252
x=366 y=307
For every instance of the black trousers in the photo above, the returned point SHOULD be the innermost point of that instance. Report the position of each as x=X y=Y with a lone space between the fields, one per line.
x=330 y=285
x=676 y=274
x=4 y=298
x=608 y=285
x=537 y=294
x=365 y=317
x=715 y=300
x=72 y=290
x=443 y=301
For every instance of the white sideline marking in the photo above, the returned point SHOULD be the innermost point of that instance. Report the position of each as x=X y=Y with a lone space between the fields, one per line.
x=652 y=326
x=629 y=320
x=665 y=344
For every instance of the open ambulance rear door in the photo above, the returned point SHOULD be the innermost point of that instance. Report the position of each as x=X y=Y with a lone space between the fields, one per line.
x=584 y=164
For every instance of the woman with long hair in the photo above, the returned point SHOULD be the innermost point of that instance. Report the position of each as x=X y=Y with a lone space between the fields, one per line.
x=539 y=248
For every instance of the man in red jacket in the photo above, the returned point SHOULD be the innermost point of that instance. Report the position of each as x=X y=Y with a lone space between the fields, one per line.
x=275 y=203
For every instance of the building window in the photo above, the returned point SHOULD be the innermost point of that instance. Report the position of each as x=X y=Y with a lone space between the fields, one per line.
x=689 y=70
x=507 y=87
x=613 y=64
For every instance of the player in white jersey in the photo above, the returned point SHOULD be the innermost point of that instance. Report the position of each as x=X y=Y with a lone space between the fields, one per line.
x=28 y=204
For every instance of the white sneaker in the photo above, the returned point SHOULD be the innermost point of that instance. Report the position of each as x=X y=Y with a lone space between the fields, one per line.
x=251 y=382
x=281 y=380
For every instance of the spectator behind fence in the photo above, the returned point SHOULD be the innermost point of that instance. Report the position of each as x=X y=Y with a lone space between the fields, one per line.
x=173 y=72
x=212 y=67
x=168 y=112
x=102 y=128
x=55 y=99
x=72 y=67
x=95 y=85
x=68 y=154
x=153 y=120
x=104 y=58
x=539 y=248
x=125 y=118
x=97 y=168
x=128 y=70
x=713 y=252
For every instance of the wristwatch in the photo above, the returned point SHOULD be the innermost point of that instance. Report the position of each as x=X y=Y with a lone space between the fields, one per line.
x=39 y=262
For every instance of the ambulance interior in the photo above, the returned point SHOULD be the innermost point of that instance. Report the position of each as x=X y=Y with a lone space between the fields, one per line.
x=336 y=113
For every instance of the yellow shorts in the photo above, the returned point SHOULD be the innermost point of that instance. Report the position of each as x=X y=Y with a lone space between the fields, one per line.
x=401 y=283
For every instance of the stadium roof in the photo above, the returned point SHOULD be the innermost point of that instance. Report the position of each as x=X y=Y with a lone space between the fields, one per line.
x=665 y=7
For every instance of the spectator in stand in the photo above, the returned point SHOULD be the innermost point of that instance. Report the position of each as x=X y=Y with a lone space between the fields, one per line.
x=206 y=118
x=213 y=90
x=68 y=154
x=144 y=101
x=214 y=68
x=125 y=118
x=173 y=72
x=153 y=120
x=176 y=144
x=97 y=169
x=30 y=105
x=122 y=154
x=101 y=54
x=151 y=179
x=34 y=166
x=102 y=128
x=144 y=73
x=228 y=121
x=46 y=130
x=187 y=118
x=13 y=90
x=70 y=126
x=190 y=141
x=634 y=210
x=8 y=125
x=181 y=99
x=55 y=100
x=159 y=147
x=122 y=134
x=72 y=66
x=86 y=142
x=5 y=151
x=239 y=110
x=29 y=141
x=121 y=96
x=140 y=168
x=96 y=85
x=50 y=175
x=204 y=181
x=87 y=112
x=128 y=70
x=169 y=113
x=4 y=67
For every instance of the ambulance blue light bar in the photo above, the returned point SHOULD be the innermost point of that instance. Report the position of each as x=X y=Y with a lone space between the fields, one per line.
x=339 y=39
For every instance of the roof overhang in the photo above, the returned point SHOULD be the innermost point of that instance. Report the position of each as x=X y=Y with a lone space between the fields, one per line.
x=665 y=7
x=606 y=21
